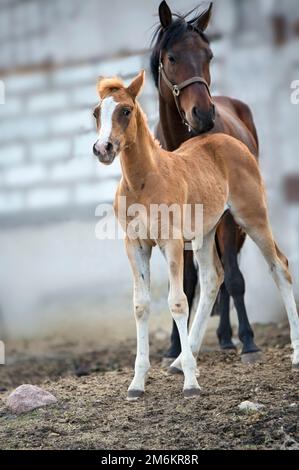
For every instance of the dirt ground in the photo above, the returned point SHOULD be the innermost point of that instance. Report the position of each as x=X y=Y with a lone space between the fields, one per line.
x=92 y=412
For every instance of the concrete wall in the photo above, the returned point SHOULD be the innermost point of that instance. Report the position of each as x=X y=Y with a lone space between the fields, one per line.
x=55 y=276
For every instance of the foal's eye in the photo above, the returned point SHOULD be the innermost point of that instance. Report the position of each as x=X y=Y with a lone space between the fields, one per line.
x=126 y=112
x=171 y=59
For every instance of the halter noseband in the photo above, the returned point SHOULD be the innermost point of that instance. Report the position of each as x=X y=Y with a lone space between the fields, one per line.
x=176 y=89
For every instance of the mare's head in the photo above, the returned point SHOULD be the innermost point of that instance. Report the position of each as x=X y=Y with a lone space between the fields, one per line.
x=116 y=117
x=184 y=51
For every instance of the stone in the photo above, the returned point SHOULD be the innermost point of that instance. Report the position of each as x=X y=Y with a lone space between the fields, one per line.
x=28 y=397
x=250 y=406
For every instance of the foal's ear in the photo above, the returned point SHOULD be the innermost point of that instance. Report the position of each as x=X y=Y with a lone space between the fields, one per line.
x=135 y=86
x=203 y=20
x=165 y=14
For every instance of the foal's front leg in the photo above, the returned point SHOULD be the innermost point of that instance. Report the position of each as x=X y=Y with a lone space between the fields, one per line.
x=139 y=254
x=179 y=309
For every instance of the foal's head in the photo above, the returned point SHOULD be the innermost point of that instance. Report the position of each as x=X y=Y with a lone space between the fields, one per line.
x=116 y=117
x=184 y=51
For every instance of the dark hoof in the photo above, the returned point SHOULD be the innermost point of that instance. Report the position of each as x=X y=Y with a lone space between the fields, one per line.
x=174 y=371
x=295 y=367
x=191 y=392
x=252 y=357
x=167 y=361
x=227 y=345
x=134 y=394
x=228 y=348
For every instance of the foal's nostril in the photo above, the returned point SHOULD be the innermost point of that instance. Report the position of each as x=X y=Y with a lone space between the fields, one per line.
x=95 y=151
x=109 y=147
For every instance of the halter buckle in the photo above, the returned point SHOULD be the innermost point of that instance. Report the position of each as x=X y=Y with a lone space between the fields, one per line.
x=175 y=90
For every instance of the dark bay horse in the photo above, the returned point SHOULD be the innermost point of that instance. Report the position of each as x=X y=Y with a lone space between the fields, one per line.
x=180 y=63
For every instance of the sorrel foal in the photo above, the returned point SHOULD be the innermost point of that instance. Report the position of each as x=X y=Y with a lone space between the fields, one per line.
x=204 y=170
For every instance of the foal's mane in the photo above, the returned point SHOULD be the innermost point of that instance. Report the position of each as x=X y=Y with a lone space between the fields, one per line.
x=106 y=86
x=164 y=38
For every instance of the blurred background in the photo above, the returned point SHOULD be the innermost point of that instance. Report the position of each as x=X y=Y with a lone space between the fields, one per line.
x=56 y=278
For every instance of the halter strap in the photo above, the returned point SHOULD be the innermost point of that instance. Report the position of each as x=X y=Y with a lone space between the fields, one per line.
x=176 y=90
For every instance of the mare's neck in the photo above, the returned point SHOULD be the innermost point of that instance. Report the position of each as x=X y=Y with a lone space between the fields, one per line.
x=174 y=131
x=138 y=159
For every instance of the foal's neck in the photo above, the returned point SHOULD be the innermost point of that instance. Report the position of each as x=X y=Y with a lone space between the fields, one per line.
x=138 y=159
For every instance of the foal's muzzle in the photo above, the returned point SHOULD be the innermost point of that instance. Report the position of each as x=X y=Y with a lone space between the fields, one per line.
x=105 y=152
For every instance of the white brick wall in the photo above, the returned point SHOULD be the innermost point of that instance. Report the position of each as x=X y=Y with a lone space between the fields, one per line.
x=47 y=132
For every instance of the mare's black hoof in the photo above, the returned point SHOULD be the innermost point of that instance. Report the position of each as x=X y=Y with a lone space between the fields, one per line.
x=228 y=347
x=174 y=371
x=167 y=361
x=252 y=357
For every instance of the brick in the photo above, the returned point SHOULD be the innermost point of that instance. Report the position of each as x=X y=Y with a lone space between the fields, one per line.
x=76 y=168
x=46 y=198
x=5 y=24
x=47 y=102
x=83 y=143
x=6 y=55
x=84 y=96
x=72 y=121
x=23 y=128
x=24 y=175
x=2 y=93
x=25 y=83
x=74 y=75
x=126 y=66
x=96 y=192
x=9 y=107
x=11 y=202
x=51 y=150
x=11 y=155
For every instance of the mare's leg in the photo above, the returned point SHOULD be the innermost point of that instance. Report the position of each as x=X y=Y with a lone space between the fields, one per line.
x=224 y=330
x=190 y=283
x=139 y=254
x=210 y=278
x=230 y=239
x=179 y=309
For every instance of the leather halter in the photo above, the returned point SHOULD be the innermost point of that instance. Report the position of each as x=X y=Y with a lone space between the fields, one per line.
x=176 y=90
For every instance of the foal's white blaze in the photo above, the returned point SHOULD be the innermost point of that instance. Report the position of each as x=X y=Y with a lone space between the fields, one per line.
x=107 y=109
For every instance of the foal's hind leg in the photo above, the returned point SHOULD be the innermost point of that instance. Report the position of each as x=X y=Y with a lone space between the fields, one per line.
x=256 y=224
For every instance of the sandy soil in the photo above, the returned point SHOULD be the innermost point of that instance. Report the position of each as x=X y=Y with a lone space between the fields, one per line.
x=93 y=413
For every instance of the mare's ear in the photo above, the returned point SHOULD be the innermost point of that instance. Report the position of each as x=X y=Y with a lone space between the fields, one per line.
x=165 y=15
x=203 y=20
x=135 y=86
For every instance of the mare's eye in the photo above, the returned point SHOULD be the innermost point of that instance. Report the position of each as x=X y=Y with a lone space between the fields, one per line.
x=171 y=59
x=126 y=112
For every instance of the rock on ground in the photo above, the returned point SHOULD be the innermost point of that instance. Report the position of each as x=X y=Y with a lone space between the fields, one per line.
x=29 y=397
x=250 y=406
